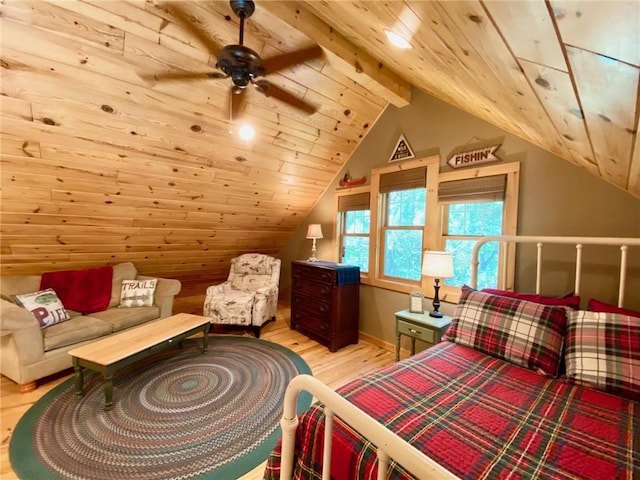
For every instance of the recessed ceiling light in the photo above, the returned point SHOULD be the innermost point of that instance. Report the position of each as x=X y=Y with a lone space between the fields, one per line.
x=246 y=132
x=397 y=40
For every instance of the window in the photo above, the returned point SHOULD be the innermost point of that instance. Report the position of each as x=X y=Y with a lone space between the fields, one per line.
x=411 y=206
x=354 y=220
x=400 y=210
x=402 y=232
x=403 y=202
x=475 y=207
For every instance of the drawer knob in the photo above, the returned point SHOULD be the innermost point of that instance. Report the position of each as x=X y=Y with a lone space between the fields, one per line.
x=415 y=331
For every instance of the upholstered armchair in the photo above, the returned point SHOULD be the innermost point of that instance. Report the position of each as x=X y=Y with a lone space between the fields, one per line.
x=249 y=297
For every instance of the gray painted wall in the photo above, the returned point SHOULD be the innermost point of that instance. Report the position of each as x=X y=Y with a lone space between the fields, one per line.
x=556 y=198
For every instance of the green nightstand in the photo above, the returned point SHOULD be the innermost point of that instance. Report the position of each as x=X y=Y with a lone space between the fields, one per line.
x=419 y=326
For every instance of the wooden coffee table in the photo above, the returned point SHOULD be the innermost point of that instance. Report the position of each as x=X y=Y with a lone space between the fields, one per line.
x=109 y=354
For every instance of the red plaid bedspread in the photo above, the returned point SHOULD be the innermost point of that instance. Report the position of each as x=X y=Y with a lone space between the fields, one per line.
x=479 y=417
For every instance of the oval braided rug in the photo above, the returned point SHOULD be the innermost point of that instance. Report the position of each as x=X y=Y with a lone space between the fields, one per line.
x=177 y=414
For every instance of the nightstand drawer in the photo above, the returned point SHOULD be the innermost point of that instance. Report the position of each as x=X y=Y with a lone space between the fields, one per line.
x=415 y=331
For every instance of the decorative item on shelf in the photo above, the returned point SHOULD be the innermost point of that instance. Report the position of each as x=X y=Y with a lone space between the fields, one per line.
x=438 y=265
x=415 y=302
x=314 y=232
x=347 y=181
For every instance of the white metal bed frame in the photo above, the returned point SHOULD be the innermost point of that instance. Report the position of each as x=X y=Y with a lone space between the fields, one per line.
x=579 y=242
x=388 y=444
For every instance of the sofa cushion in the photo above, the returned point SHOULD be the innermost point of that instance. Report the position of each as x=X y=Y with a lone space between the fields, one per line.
x=78 y=329
x=15 y=284
x=122 y=271
x=122 y=318
x=45 y=306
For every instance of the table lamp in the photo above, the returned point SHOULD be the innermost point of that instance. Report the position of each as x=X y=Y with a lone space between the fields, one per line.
x=438 y=265
x=314 y=232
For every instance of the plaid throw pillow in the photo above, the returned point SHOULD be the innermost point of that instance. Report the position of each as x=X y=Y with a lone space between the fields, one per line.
x=524 y=333
x=603 y=351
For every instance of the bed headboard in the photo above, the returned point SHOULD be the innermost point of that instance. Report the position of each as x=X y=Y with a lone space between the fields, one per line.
x=622 y=243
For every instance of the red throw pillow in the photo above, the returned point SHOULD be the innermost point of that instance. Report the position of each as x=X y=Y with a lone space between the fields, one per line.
x=572 y=301
x=85 y=291
x=598 y=306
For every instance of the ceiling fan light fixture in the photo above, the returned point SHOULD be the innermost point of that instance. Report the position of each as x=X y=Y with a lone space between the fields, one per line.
x=397 y=40
x=246 y=132
x=242 y=64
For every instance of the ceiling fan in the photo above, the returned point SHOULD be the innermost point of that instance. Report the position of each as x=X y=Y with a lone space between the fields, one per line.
x=242 y=64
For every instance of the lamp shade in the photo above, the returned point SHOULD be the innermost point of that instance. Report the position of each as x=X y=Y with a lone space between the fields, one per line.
x=314 y=231
x=437 y=264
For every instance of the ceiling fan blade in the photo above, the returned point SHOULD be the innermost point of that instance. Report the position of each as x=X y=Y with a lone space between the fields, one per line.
x=170 y=76
x=189 y=23
x=280 y=62
x=237 y=102
x=271 y=90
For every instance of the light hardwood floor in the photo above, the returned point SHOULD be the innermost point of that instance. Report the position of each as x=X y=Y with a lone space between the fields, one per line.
x=334 y=369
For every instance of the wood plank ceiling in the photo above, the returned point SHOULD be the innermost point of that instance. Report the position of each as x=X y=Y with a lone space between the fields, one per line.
x=100 y=163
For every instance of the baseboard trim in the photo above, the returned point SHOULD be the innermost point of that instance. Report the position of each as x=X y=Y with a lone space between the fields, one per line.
x=390 y=347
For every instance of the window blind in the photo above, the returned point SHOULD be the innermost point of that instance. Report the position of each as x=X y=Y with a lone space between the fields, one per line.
x=358 y=201
x=403 y=179
x=480 y=189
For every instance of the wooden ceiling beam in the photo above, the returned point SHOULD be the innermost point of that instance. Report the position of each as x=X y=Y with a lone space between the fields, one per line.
x=345 y=57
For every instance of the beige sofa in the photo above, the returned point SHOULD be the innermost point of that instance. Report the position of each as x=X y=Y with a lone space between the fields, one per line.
x=29 y=353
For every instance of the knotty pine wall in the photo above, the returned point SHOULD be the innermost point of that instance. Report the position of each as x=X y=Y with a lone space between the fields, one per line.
x=102 y=166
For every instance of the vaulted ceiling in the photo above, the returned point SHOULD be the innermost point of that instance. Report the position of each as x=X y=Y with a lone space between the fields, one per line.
x=104 y=160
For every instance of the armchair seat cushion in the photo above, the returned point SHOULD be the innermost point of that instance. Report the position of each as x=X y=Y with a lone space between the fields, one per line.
x=234 y=308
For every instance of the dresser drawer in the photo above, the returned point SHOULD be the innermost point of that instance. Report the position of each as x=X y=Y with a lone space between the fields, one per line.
x=302 y=273
x=310 y=305
x=416 y=331
x=314 y=324
x=315 y=289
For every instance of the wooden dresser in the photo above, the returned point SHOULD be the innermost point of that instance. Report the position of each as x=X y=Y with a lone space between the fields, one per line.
x=325 y=302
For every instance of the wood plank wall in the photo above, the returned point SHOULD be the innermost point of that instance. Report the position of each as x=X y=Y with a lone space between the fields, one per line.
x=100 y=166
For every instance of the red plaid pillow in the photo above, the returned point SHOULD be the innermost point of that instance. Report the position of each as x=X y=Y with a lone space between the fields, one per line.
x=525 y=333
x=602 y=350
